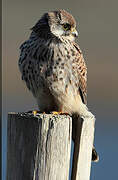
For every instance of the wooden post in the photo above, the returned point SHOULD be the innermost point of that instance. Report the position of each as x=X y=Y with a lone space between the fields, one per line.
x=39 y=147
x=82 y=162
x=85 y=151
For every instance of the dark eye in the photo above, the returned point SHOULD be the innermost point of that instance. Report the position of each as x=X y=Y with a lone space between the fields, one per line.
x=66 y=26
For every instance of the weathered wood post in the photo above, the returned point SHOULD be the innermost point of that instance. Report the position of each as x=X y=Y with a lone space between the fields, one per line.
x=82 y=162
x=39 y=147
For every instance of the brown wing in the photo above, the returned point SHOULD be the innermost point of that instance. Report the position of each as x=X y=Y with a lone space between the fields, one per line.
x=82 y=73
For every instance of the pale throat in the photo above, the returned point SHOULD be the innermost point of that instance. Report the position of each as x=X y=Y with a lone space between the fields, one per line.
x=60 y=33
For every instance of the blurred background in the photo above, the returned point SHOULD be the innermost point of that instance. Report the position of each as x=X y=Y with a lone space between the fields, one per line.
x=97 y=23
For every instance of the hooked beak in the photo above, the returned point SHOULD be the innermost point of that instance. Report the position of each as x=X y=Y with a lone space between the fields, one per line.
x=74 y=32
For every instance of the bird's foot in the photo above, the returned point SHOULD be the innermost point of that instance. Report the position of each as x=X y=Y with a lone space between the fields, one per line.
x=59 y=113
x=35 y=112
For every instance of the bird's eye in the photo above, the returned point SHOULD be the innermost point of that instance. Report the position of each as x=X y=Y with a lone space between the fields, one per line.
x=66 y=26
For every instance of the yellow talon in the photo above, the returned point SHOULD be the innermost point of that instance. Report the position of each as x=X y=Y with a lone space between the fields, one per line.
x=59 y=113
x=34 y=113
x=55 y=112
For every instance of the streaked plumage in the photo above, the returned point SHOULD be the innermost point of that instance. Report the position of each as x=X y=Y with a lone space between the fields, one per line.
x=53 y=67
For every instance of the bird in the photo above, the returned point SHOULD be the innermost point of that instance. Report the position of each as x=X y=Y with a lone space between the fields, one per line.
x=54 y=70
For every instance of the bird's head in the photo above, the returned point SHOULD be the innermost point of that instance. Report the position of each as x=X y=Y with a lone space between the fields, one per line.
x=62 y=24
x=58 y=23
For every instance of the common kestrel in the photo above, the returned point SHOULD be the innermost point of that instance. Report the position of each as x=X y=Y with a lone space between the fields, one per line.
x=53 y=67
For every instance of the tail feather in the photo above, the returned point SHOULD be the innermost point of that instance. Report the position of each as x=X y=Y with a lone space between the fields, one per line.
x=95 y=156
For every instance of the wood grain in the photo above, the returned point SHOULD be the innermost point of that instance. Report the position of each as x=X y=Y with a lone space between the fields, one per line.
x=38 y=147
